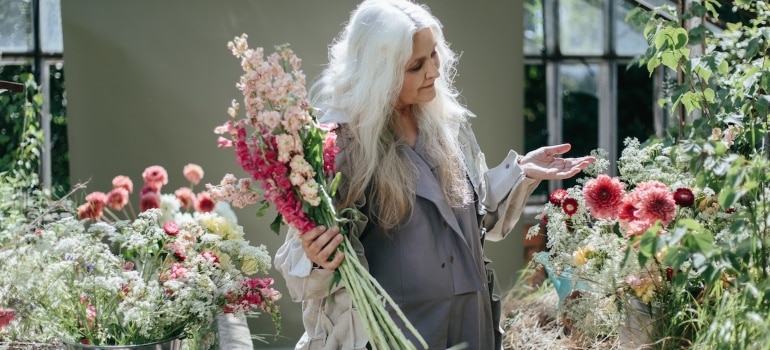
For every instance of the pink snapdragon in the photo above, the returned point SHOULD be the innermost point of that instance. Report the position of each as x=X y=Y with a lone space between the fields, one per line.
x=330 y=150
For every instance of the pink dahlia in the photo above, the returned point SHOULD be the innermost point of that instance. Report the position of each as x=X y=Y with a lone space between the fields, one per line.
x=569 y=206
x=185 y=196
x=657 y=204
x=557 y=196
x=193 y=173
x=204 y=203
x=172 y=229
x=603 y=196
x=149 y=200
x=155 y=176
x=124 y=182
x=117 y=198
x=88 y=211
x=684 y=197
x=6 y=316
x=97 y=199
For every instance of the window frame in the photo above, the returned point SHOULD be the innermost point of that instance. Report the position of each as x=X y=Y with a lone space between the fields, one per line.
x=608 y=63
x=40 y=62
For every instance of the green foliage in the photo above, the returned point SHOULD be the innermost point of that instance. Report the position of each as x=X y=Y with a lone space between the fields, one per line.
x=726 y=90
x=23 y=203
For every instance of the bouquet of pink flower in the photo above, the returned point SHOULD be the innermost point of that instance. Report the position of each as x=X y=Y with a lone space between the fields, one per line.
x=643 y=234
x=283 y=147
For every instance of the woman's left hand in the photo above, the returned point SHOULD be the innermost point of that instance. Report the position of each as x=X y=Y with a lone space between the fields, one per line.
x=542 y=163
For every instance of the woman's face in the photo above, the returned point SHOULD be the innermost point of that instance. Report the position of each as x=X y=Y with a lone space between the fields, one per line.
x=421 y=70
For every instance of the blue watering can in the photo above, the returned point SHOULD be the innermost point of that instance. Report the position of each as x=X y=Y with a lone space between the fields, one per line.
x=564 y=283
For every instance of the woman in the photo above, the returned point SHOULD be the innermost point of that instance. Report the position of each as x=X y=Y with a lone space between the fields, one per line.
x=411 y=165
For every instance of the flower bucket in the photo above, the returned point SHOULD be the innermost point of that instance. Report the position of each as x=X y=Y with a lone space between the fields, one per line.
x=168 y=344
x=637 y=332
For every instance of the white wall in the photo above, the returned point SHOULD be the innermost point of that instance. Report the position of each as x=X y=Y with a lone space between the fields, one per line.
x=147 y=81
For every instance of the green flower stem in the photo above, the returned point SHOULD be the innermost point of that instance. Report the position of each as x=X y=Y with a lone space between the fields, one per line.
x=366 y=291
x=371 y=298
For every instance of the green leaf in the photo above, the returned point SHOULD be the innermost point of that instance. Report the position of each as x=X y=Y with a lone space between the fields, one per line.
x=648 y=244
x=679 y=36
x=670 y=59
x=764 y=81
x=275 y=226
x=691 y=101
x=703 y=72
x=661 y=37
x=702 y=243
x=653 y=63
x=335 y=184
x=723 y=67
x=675 y=257
x=762 y=105
x=753 y=48
x=708 y=93
x=264 y=205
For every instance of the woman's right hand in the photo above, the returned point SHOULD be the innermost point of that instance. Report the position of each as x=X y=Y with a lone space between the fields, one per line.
x=320 y=244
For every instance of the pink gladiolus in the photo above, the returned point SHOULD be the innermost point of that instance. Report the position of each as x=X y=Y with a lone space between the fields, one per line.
x=193 y=173
x=155 y=176
x=124 y=182
x=603 y=196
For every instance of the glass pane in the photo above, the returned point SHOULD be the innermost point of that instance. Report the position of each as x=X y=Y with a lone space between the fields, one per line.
x=535 y=118
x=635 y=104
x=16 y=26
x=50 y=26
x=533 y=27
x=12 y=114
x=60 y=168
x=629 y=38
x=580 y=109
x=581 y=27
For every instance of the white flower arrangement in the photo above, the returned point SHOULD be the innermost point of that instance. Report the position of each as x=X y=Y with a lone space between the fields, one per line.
x=164 y=274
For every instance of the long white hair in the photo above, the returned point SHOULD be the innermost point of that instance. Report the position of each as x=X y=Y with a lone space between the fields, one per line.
x=367 y=62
